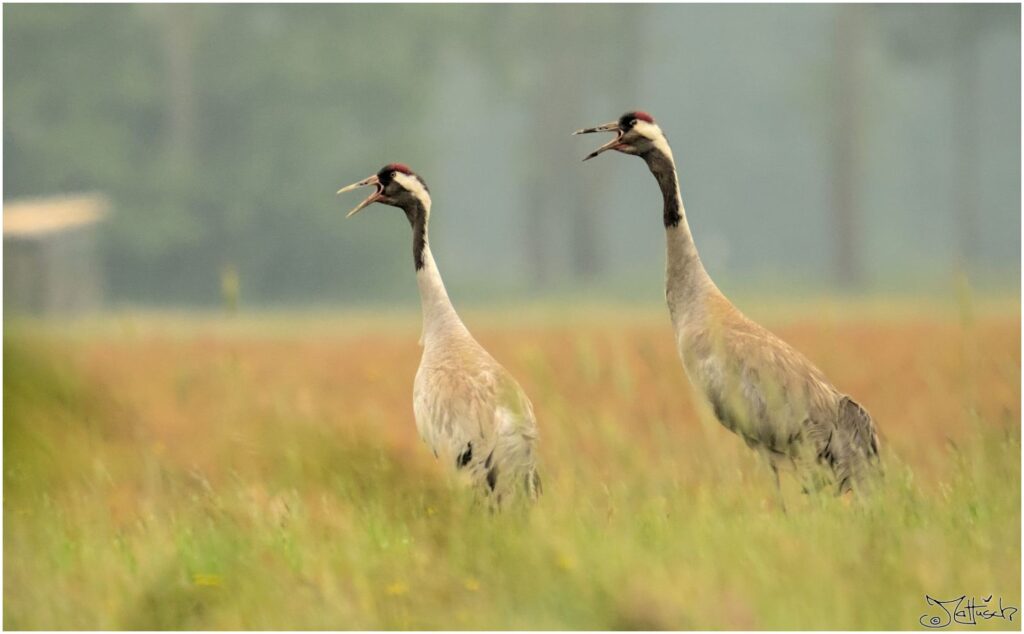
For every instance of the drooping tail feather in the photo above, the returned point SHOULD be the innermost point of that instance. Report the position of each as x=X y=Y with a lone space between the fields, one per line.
x=854 y=446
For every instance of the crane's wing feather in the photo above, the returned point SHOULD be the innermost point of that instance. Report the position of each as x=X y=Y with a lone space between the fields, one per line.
x=475 y=416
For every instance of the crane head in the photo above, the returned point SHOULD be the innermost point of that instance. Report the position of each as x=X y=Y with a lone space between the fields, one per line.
x=635 y=133
x=396 y=185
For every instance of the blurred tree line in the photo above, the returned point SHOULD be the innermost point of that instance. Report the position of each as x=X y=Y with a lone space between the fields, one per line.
x=221 y=131
x=206 y=126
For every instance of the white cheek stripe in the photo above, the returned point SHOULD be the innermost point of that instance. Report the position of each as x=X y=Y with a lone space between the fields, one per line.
x=654 y=133
x=414 y=187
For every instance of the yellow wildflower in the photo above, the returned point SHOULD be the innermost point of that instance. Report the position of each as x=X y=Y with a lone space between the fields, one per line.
x=397 y=589
x=565 y=562
x=206 y=580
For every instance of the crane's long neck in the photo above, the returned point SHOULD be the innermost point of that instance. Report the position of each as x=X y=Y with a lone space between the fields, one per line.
x=687 y=283
x=439 y=316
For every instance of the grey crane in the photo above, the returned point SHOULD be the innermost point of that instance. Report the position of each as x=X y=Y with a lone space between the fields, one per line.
x=468 y=408
x=757 y=385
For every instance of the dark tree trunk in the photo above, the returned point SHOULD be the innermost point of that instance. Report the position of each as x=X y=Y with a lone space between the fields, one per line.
x=589 y=242
x=177 y=37
x=965 y=178
x=846 y=150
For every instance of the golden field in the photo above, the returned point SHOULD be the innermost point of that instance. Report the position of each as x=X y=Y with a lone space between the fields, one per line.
x=264 y=472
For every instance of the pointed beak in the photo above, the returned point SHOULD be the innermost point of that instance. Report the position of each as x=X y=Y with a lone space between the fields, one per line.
x=372 y=198
x=612 y=126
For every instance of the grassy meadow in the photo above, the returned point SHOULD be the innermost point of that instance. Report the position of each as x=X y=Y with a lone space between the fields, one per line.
x=175 y=471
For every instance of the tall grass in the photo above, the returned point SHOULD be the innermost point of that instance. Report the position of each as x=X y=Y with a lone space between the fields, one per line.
x=189 y=479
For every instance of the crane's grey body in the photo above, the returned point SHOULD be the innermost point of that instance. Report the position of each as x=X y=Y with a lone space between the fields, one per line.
x=769 y=394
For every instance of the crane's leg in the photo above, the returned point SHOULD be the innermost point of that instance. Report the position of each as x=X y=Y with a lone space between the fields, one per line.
x=778 y=485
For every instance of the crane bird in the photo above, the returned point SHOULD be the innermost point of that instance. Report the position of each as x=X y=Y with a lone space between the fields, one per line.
x=468 y=408
x=758 y=386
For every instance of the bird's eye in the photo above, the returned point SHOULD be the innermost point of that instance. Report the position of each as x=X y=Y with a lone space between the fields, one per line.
x=632 y=123
x=394 y=174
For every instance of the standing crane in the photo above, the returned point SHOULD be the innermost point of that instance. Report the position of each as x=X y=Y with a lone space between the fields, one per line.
x=758 y=386
x=468 y=408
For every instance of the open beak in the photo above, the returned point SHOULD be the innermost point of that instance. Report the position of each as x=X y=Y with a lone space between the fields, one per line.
x=374 y=197
x=612 y=126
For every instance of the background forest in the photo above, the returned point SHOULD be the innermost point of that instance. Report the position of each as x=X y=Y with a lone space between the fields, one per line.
x=864 y=148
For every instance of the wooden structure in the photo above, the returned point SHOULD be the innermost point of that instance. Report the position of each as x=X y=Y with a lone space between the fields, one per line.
x=51 y=263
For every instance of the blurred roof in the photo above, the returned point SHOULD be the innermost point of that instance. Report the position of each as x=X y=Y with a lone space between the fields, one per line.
x=38 y=217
